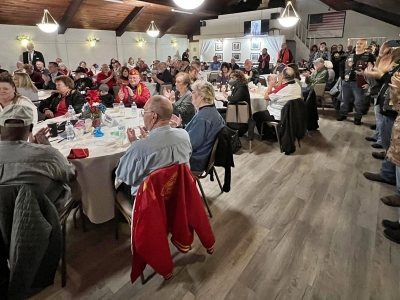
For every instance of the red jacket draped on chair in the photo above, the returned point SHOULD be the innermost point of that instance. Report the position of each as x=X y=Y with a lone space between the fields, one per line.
x=167 y=202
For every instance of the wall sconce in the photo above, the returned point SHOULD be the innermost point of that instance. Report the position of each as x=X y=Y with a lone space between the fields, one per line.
x=141 y=42
x=92 y=41
x=174 y=42
x=24 y=39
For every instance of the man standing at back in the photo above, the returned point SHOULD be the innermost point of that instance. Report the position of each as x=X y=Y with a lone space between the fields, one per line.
x=354 y=85
x=31 y=56
x=36 y=163
x=162 y=146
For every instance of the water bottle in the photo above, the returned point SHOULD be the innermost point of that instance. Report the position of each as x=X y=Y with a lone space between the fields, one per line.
x=69 y=129
x=121 y=109
x=134 y=110
x=71 y=112
x=121 y=132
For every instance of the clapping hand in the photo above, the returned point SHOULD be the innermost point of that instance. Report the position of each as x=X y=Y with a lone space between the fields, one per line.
x=131 y=135
x=143 y=132
x=396 y=81
x=49 y=114
x=169 y=94
x=176 y=121
x=130 y=92
x=41 y=137
x=121 y=95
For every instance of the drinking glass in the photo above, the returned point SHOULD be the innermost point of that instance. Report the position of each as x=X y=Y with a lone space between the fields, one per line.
x=116 y=107
x=88 y=125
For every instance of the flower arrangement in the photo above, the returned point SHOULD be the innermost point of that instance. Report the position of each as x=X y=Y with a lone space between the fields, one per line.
x=93 y=107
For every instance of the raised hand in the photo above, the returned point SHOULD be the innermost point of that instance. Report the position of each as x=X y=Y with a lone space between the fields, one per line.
x=131 y=135
x=176 y=120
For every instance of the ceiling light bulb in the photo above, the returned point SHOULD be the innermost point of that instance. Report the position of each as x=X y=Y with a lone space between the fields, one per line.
x=188 y=4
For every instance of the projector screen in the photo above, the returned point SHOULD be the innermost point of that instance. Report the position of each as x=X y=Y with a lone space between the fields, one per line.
x=256 y=27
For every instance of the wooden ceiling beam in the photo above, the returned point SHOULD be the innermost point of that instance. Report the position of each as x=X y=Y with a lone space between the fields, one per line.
x=134 y=14
x=171 y=4
x=168 y=25
x=69 y=15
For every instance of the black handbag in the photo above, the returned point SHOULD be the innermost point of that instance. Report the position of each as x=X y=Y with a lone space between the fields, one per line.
x=235 y=141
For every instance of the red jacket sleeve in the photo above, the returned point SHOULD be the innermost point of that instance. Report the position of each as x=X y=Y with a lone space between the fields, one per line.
x=260 y=59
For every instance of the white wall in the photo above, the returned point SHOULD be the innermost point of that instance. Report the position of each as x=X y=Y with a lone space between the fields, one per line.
x=245 y=51
x=356 y=25
x=72 y=47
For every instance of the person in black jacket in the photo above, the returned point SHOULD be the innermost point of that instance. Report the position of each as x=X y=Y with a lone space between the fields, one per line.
x=338 y=60
x=57 y=104
x=105 y=97
x=240 y=92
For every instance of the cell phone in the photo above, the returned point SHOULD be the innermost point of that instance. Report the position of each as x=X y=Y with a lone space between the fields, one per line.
x=393 y=43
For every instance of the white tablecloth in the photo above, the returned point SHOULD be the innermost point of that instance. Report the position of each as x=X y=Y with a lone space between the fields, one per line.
x=258 y=103
x=94 y=172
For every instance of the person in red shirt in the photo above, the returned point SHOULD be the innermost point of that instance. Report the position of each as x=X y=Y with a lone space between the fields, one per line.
x=263 y=66
x=135 y=91
x=107 y=77
x=57 y=104
x=285 y=55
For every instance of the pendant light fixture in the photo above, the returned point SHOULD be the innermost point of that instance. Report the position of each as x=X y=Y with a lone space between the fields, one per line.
x=287 y=20
x=46 y=26
x=188 y=4
x=153 y=30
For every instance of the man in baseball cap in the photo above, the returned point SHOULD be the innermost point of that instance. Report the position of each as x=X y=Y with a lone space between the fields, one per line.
x=82 y=83
x=35 y=162
x=319 y=75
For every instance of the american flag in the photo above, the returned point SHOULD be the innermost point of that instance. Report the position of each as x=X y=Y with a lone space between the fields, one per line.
x=326 y=25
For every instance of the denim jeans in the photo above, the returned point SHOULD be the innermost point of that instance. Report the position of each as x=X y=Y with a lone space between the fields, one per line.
x=378 y=119
x=388 y=169
x=352 y=94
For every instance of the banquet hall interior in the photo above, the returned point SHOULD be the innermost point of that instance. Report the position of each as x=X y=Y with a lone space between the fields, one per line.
x=297 y=195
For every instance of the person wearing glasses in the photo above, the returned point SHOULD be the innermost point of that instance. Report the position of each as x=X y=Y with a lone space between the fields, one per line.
x=159 y=145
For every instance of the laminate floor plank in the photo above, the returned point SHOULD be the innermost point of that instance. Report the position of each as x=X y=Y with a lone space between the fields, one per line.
x=305 y=226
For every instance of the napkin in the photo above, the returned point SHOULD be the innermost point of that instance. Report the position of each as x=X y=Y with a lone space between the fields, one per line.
x=78 y=153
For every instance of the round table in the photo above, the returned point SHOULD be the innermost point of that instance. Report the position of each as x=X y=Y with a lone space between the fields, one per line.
x=95 y=171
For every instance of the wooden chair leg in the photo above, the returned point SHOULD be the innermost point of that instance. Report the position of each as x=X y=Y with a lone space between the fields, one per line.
x=277 y=136
x=204 y=197
x=219 y=182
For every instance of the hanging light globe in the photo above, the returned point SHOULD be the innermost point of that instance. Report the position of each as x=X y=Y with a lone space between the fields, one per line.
x=47 y=26
x=153 y=30
x=188 y=4
x=287 y=20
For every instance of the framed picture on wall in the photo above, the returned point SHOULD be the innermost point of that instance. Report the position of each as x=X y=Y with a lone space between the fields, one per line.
x=218 y=46
x=219 y=56
x=255 y=45
x=236 y=46
x=236 y=56
x=254 y=57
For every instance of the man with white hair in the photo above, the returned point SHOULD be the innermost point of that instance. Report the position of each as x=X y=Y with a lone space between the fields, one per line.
x=31 y=56
x=251 y=72
x=163 y=76
x=234 y=66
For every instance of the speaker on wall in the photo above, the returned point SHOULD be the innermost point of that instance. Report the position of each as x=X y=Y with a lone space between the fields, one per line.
x=203 y=23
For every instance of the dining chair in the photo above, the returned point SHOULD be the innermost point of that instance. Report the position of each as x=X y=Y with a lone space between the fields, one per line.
x=263 y=81
x=167 y=86
x=275 y=125
x=116 y=89
x=319 y=89
x=213 y=76
x=203 y=174
x=239 y=113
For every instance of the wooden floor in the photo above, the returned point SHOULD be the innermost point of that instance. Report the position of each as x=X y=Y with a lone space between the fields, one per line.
x=305 y=226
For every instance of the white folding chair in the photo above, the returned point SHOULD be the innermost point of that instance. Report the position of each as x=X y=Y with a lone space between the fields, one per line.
x=319 y=89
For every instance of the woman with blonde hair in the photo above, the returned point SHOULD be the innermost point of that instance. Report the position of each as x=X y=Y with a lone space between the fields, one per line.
x=10 y=96
x=204 y=126
x=181 y=99
x=25 y=86
x=63 y=69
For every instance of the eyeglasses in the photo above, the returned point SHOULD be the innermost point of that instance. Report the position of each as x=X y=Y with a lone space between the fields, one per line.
x=145 y=111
